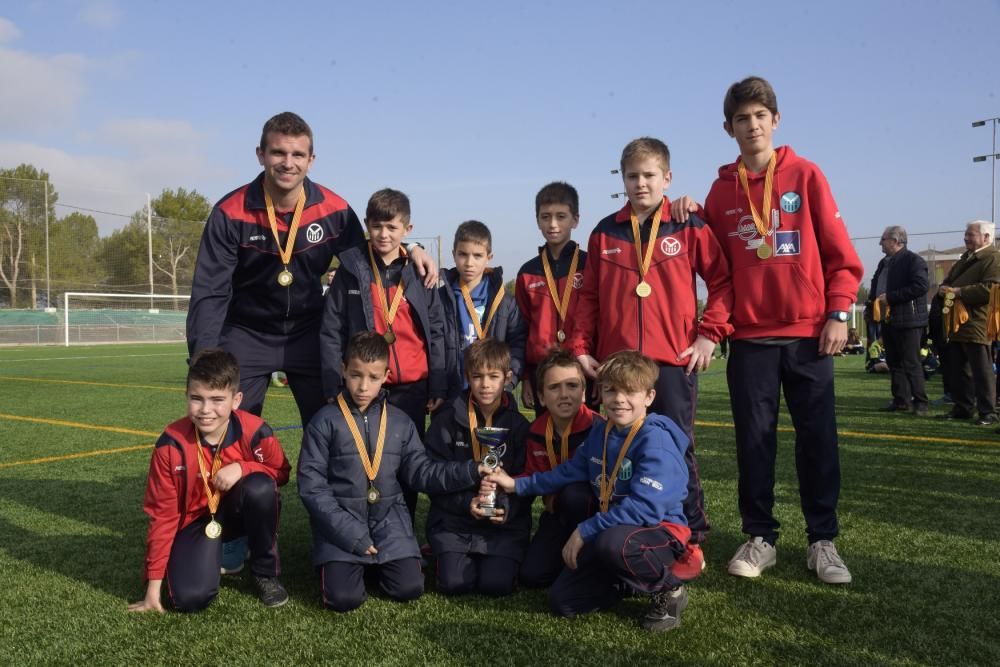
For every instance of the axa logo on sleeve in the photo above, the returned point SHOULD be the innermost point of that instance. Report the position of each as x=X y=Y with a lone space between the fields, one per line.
x=786 y=243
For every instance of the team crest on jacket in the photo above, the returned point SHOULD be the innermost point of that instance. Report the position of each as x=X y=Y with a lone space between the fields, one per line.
x=791 y=202
x=786 y=243
x=670 y=246
x=625 y=472
x=578 y=280
x=315 y=233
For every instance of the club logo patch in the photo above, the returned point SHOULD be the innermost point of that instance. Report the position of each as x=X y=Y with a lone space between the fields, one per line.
x=315 y=233
x=578 y=280
x=791 y=202
x=625 y=472
x=745 y=229
x=670 y=246
x=786 y=243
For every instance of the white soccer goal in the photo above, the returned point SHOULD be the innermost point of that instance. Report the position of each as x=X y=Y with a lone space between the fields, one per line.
x=91 y=318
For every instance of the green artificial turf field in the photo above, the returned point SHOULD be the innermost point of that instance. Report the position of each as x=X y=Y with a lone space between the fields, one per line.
x=919 y=513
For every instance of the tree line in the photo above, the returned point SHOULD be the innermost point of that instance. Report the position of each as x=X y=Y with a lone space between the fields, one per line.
x=79 y=259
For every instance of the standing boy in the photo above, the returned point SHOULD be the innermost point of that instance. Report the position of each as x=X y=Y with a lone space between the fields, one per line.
x=547 y=285
x=795 y=274
x=552 y=440
x=475 y=553
x=639 y=294
x=477 y=305
x=214 y=473
x=635 y=465
x=357 y=455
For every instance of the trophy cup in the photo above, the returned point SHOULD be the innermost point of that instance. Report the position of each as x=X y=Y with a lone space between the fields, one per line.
x=492 y=438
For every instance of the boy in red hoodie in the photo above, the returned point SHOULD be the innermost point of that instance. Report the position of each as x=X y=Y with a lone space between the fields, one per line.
x=795 y=274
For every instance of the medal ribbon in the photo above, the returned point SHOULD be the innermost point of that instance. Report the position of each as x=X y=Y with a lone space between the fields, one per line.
x=562 y=305
x=471 y=307
x=637 y=236
x=371 y=467
x=388 y=312
x=477 y=449
x=564 y=438
x=213 y=498
x=762 y=219
x=607 y=486
x=293 y=229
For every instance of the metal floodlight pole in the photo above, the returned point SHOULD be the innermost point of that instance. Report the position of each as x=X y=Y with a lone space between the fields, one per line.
x=995 y=156
x=48 y=275
x=149 y=242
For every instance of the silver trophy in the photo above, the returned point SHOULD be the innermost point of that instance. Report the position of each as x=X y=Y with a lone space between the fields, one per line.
x=492 y=438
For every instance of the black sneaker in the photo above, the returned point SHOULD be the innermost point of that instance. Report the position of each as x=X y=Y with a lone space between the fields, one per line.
x=665 y=609
x=988 y=420
x=920 y=409
x=894 y=407
x=270 y=590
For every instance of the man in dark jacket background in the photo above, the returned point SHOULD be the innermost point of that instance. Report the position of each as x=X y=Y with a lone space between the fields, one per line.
x=900 y=288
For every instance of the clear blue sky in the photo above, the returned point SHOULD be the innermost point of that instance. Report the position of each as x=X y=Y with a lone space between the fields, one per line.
x=471 y=107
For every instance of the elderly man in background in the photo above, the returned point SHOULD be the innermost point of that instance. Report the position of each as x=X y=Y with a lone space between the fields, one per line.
x=899 y=287
x=966 y=288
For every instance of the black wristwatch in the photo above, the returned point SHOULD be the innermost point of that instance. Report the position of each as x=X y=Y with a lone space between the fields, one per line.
x=839 y=315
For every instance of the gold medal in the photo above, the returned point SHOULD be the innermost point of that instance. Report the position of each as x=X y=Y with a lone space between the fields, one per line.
x=945 y=310
x=562 y=305
x=561 y=336
x=213 y=530
x=643 y=289
x=949 y=297
x=481 y=329
x=607 y=482
x=762 y=218
x=388 y=311
x=389 y=337
x=764 y=251
x=371 y=465
x=373 y=494
x=285 y=278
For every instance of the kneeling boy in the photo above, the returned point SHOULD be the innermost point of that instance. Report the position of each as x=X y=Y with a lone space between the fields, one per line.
x=214 y=475
x=474 y=554
x=636 y=462
x=355 y=454
x=553 y=439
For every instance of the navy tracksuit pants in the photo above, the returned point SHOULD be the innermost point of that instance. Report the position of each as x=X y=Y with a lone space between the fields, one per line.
x=543 y=561
x=757 y=374
x=343 y=584
x=250 y=508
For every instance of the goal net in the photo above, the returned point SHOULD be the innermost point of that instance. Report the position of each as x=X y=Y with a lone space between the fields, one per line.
x=90 y=318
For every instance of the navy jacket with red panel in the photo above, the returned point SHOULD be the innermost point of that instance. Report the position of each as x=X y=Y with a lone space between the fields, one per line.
x=538 y=310
x=175 y=493
x=236 y=273
x=537 y=459
x=665 y=323
x=352 y=305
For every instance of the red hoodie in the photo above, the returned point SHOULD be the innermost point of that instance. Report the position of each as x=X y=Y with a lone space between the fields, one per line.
x=814 y=268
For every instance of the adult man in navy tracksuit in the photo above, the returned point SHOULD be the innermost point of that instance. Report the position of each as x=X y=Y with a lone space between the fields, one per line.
x=256 y=291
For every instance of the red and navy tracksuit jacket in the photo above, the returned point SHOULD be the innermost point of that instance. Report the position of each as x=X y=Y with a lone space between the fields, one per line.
x=651 y=484
x=236 y=273
x=175 y=493
x=814 y=268
x=664 y=324
x=352 y=305
x=538 y=455
x=538 y=310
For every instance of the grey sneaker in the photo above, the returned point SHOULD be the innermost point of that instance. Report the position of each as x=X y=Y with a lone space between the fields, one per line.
x=822 y=557
x=270 y=591
x=665 y=609
x=753 y=557
x=234 y=553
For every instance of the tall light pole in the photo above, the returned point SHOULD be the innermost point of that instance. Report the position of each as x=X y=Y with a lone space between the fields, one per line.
x=995 y=156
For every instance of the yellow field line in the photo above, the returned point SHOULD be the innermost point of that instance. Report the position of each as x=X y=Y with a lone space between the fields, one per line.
x=877 y=436
x=61 y=422
x=66 y=457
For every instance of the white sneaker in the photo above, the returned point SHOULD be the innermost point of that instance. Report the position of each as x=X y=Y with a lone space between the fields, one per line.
x=822 y=557
x=753 y=557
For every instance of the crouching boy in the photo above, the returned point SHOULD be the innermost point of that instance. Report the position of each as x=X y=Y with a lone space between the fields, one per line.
x=636 y=464
x=214 y=475
x=355 y=454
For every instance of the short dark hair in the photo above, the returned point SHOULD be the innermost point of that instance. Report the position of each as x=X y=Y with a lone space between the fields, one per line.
x=287 y=123
x=644 y=147
x=366 y=347
x=558 y=192
x=485 y=355
x=556 y=358
x=214 y=368
x=473 y=231
x=629 y=370
x=386 y=204
x=750 y=89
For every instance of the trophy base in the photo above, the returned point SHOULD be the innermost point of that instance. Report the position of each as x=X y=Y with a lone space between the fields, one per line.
x=488 y=510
